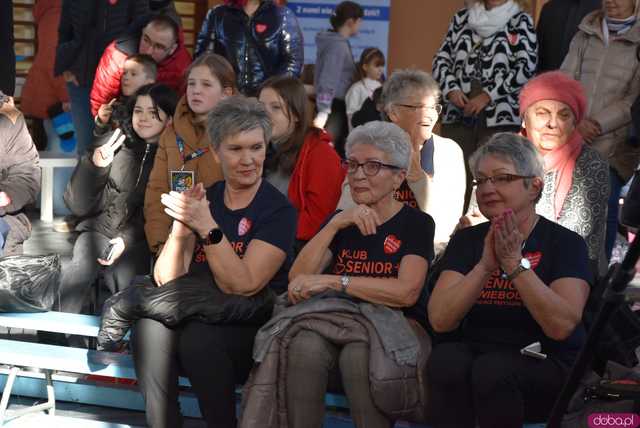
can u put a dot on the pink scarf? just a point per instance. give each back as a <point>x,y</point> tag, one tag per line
<point>562,161</point>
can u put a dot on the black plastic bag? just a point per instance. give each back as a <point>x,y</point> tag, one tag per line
<point>29,283</point>
<point>191,296</point>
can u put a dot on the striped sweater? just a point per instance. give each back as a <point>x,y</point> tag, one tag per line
<point>503,63</point>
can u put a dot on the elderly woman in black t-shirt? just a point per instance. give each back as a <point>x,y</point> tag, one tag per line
<point>378,251</point>
<point>236,235</point>
<point>518,281</point>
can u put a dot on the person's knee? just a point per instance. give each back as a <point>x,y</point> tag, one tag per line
<point>153,334</point>
<point>309,349</point>
<point>449,365</point>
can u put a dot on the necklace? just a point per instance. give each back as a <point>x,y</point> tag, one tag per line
<point>505,275</point>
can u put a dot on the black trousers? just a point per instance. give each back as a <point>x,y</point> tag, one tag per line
<point>338,125</point>
<point>469,385</point>
<point>215,358</point>
<point>78,276</point>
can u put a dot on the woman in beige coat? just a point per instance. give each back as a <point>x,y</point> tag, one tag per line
<point>605,57</point>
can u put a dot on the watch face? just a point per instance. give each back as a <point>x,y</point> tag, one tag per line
<point>525,263</point>
<point>215,236</point>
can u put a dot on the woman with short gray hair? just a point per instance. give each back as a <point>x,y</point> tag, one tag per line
<point>237,235</point>
<point>514,288</point>
<point>435,182</point>
<point>390,140</point>
<point>235,117</point>
<point>379,252</point>
<point>526,160</point>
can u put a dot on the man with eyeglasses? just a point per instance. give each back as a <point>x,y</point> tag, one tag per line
<point>158,36</point>
<point>85,30</point>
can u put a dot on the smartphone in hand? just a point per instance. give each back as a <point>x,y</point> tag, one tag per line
<point>107,254</point>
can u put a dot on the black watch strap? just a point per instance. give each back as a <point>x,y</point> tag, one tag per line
<point>214,237</point>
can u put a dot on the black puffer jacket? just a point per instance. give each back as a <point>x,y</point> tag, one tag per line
<point>113,197</point>
<point>193,296</point>
<point>87,27</point>
<point>267,44</point>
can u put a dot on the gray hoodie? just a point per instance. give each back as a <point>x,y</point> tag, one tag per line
<point>334,69</point>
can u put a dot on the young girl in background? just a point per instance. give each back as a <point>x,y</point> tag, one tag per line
<point>334,71</point>
<point>107,190</point>
<point>185,146</point>
<point>301,161</point>
<point>370,71</point>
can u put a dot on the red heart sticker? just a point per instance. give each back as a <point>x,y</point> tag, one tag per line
<point>392,244</point>
<point>260,28</point>
<point>244,226</point>
<point>534,258</point>
<point>513,39</point>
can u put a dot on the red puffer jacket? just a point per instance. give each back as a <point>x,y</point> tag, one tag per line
<point>106,84</point>
<point>316,183</point>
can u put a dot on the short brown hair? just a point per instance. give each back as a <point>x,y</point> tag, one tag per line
<point>148,64</point>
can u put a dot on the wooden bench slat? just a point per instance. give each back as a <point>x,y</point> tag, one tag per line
<point>61,358</point>
<point>56,322</point>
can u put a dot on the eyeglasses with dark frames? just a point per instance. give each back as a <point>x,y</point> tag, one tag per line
<point>436,107</point>
<point>370,168</point>
<point>154,46</point>
<point>500,179</point>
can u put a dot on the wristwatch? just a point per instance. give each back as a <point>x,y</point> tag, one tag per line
<point>524,265</point>
<point>212,238</point>
<point>344,283</point>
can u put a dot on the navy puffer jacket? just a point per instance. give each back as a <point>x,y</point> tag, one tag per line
<point>269,43</point>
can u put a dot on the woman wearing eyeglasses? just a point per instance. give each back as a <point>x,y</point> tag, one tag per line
<point>519,281</point>
<point>435,182</point>
<point>377,252</point>
<point>576,178</point>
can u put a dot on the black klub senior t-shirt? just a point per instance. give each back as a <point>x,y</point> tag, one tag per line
<point>410,231</point>
<point>269,217</point>
<point>499,315</point>
<point>405,195</point>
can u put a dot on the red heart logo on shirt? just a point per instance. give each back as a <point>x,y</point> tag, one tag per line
<point>260,28</point>
<point>392,244</point>
<point>244,226</point>
<point>113,2</point>
<point>534,258</point>
<point>513,39</point>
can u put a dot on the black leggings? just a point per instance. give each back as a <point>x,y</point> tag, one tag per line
<point>500,389</point>
<point>215,358</point>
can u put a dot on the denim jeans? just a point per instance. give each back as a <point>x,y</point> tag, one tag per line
<point>81,114</point>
